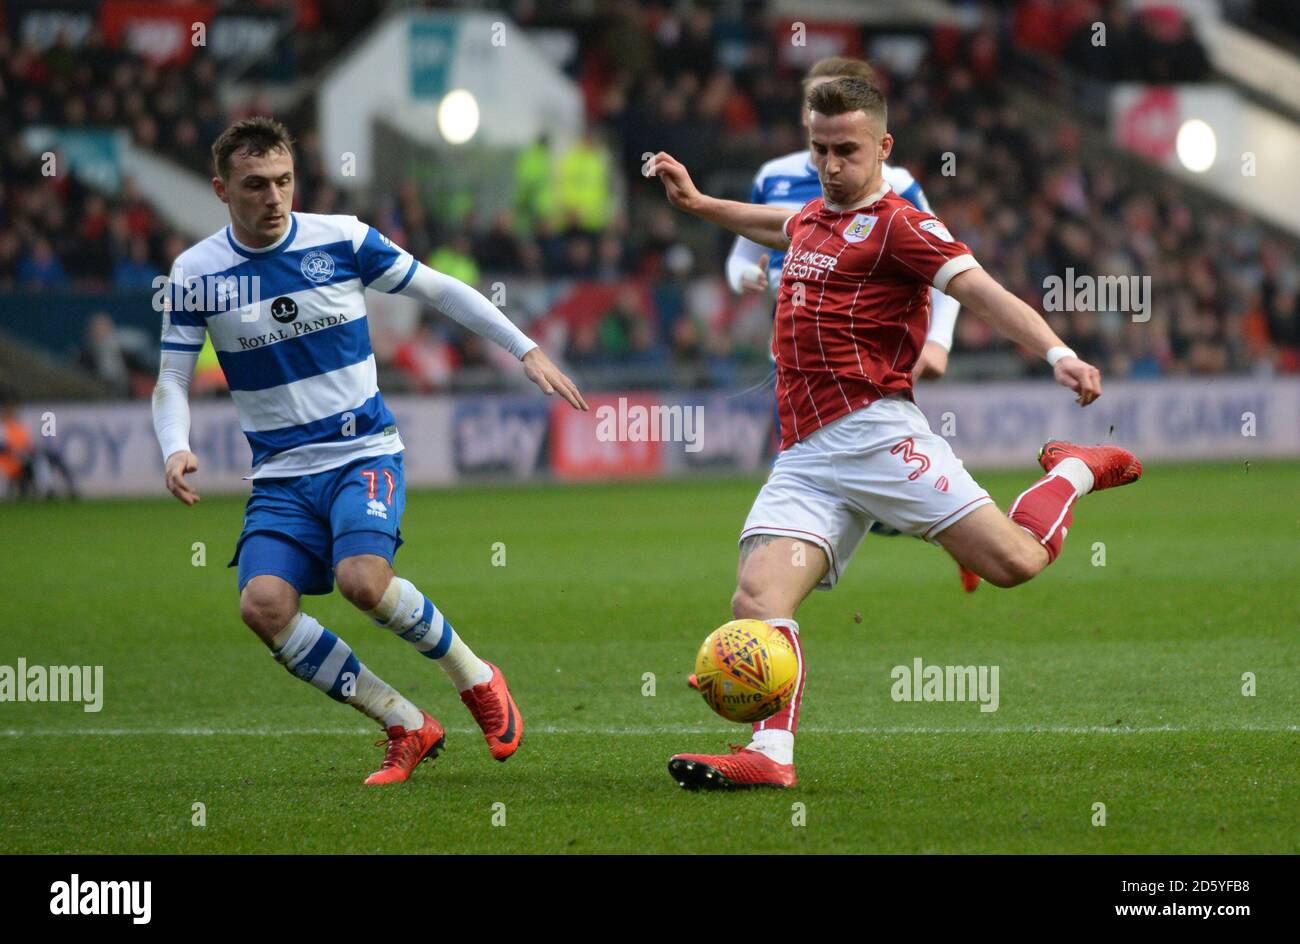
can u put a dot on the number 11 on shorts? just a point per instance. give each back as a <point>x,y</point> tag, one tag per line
<point>372,483</point>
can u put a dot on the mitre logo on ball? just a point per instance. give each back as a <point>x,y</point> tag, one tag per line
<point>746,670</point>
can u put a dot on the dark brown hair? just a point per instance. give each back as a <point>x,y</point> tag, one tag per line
<point>844,95</point>
<point>839,67</point>
<point>260,135</point>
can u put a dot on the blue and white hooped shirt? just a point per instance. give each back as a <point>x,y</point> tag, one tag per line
<point>290,330</point>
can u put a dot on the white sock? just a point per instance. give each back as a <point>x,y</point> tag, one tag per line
<point>407,612</point>
<point>463,667</point>
<point>776,743</point>
<point>1076,473</point>
<point>376,699</point>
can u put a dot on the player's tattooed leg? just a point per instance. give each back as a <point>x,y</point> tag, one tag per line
<point>752,543</point>
<point>775,574</point>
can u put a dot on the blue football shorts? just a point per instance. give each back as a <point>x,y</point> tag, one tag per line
<point>299,527</point>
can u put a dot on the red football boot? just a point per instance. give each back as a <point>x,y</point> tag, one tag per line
<point>693,682</point>
<point>1111,466</point>
<point>970,581</point>
<point>496,713</point>
<point>407,748</point>
<point>742,769</point>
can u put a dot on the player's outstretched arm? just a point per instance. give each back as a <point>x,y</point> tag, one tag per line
<point>466,306</point>
<point>1013,319</point>
<point>764,225</point>
<point>171,421</point>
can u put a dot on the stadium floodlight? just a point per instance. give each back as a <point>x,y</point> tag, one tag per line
<point>1197,145</point>
<point>458,116</point>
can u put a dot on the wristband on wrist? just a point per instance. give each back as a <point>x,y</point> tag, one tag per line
<point>1057,353</point>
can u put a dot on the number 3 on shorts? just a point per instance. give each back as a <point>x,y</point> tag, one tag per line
<point>908,450</point>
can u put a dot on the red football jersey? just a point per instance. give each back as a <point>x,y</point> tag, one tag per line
<point>854,306</point>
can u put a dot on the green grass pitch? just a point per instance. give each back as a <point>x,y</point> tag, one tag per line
<point>1119,684</point>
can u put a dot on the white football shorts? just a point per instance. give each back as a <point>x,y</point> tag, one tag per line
<point>879,463</point>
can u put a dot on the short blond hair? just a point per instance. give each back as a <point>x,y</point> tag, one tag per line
<point>840,96</point>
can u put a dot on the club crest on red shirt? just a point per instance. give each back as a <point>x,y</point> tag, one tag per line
<point>859,228</point>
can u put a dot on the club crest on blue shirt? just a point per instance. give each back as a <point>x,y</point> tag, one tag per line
<point>317,266</point>
<point>859,228</point>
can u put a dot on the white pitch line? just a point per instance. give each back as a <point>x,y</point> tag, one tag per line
<point>635,730</point>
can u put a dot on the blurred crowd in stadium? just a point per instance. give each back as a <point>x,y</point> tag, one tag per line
<point>714,89</point>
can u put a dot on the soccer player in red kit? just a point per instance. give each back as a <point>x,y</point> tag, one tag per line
<point>852,315</point>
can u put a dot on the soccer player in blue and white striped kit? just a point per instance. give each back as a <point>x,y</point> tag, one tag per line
<point>281,295</point>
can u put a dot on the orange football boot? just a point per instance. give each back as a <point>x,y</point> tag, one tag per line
<point>407,748</point>
<point>742,769</point>
<point>1111,466</point>
<point>496,713</point>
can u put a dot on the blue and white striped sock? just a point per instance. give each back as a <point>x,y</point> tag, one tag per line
<point>314,654</point>
<point>408,613</point>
